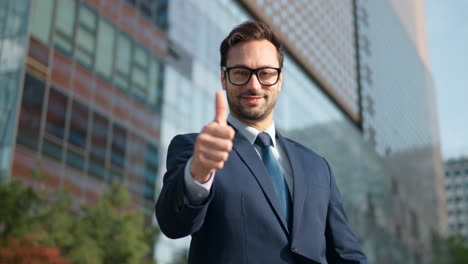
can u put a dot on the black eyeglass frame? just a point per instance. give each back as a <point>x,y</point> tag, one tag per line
<point>252,71</point>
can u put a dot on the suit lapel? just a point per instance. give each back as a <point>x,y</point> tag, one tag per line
<point>249,156</point>
<point>299,183</point>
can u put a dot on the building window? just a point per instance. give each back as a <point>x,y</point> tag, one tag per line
<point>105,49</point>
<point>65,25</point>
<point>31,111</point>
<point>98,148</point>
<point>136,159</point>
<point>85,36</point>
<point>78,125</point>
<point>151,170</point>
<point>77,135</point>
<point>52,148</point>
<point>161,13</point>
<point>55,124</point>
<point>123,61</point>
<point>41,21</point>
<point>56,113</point>
<point>147,8</point>
<point>75,159</point>
<point>153,10</point>
<point>140,72</point>
<point>119,141</point>
<point>155,82</point>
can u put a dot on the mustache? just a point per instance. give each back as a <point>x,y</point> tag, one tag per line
<point>251,93</point>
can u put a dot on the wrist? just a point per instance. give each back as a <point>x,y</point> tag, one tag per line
<point>201,176</point>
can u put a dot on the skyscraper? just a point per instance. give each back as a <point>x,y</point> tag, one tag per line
<point>86,98</point>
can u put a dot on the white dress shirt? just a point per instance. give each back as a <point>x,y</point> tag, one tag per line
<point>197,192</point>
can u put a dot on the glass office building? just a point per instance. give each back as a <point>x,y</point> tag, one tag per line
<point>94,90</point>
<point>89,95</point>
<point>13,31</point>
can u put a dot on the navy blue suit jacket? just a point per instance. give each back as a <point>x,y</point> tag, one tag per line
<point>240,221</point>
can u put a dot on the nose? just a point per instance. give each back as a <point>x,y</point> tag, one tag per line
<point>253,84</point>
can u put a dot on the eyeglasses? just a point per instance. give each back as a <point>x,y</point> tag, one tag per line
<point>241,75</point>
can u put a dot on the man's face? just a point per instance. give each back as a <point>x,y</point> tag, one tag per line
<point>252,102</point>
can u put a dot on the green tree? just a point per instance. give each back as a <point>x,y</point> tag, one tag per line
<point>111,231</point>
<point>17,209</point>
<point>451,250</point>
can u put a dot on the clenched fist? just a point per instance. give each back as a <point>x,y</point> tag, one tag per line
<point>213,144</point>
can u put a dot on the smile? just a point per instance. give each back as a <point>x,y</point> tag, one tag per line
<point>251,99</point>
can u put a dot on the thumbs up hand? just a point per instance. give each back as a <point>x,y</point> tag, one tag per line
<point>213,144</point>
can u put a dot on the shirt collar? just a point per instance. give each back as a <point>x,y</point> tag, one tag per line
<point>250,133</point>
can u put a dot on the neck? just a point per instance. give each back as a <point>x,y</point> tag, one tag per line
<point>260,125</point>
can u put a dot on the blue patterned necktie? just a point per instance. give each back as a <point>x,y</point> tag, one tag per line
<point>275,172</point>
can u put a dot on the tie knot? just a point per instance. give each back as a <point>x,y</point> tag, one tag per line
<point>264,140</point>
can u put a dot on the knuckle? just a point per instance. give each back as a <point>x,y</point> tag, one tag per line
<point>232,133</point>
<point>229,146</point>
<point>204,138</point>
<point>219,165</point>
<point>201,137</point>
<point>201,158</point>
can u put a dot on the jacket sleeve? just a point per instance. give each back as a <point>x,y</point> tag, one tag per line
<point>176,216</point>
<point>342,245</point>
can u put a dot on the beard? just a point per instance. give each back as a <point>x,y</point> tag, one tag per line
<point>245,113</point>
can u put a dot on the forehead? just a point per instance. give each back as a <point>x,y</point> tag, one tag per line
<point>253,54</point>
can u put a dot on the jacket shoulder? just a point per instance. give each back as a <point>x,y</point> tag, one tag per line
<point>303,149</point>
<point>184,138</point>
<point>180,149</point>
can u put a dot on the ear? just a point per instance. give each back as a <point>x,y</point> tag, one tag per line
<point>223,79</point>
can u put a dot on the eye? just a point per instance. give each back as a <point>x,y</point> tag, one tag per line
<point>240,72</point>
<point>267,73</point>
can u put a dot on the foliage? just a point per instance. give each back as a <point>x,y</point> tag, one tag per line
<point>451,250</point>
<point>110,231</point>
<point>17,210</point>
<point>24,251</point>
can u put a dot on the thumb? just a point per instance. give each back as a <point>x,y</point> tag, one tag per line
<point>220,116</point>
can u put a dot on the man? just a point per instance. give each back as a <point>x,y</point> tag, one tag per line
<point>247,196</point>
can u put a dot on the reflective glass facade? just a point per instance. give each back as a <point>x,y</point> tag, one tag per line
<point>13,30</point>
<point>319,35</point>
<point>91,99</point>
<point>399,120</point>
<point>379,187</point>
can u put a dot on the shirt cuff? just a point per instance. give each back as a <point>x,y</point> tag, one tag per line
<point>196,192</point>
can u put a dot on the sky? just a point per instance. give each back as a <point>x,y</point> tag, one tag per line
<point>447,35</point>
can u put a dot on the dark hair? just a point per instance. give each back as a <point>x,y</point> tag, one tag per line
<point>250,30</point>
